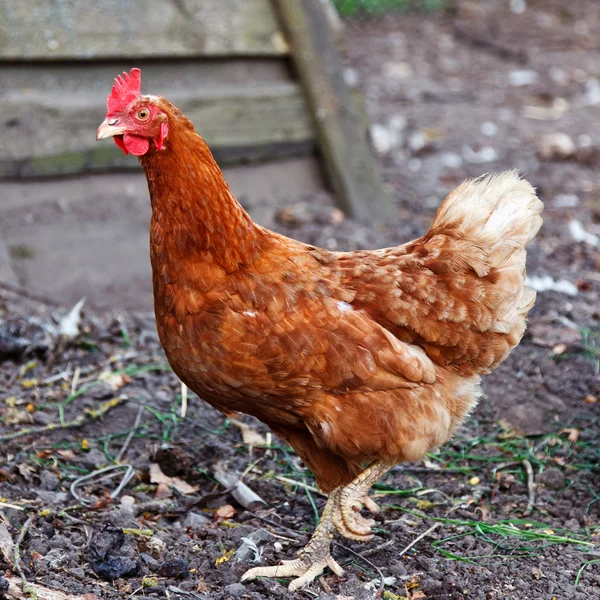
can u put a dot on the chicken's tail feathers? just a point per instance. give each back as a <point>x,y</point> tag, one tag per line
<point>490,220</point>
<point>500,209</point>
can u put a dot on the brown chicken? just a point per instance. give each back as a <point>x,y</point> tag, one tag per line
<point>359,360</point>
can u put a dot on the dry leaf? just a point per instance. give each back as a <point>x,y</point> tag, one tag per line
<point>115,380</point>
<point>537,573</point>
<point>26,471</point>
<point>6,544</point>
<point>572,432</point>
<point>589,399</point>
<point>224,512</point>
<point>163,490</point>
<point>157,476</point>
<point>249,436</point>
<point>559,349</point>
<point>417,594</point>
<point>67,454</point>
<point>14,416</point>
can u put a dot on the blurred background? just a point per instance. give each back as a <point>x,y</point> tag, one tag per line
<point>441,90</point>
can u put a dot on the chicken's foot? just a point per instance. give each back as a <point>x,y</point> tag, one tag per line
<point>312,559</point>
<point>351,499</point>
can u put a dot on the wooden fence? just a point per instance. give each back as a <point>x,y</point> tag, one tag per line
<point>261,80</point>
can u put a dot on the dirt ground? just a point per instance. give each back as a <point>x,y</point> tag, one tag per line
<point>508,510</point>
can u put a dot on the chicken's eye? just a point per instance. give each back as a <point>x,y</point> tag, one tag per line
<point>142,114</point>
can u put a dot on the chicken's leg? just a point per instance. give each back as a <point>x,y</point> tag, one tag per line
<point>352,498</point>
<point>341,513</point>
<point>312,559</point>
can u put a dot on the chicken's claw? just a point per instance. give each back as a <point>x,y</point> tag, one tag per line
<point>351,499</point>
<point>312,559</point>
<point>348,520</point>
<point>304,569</point>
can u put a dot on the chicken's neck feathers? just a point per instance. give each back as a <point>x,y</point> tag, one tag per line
<point>192,203</point>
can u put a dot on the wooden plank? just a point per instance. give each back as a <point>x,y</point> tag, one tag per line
<point>53,135</point>
<point>351,167</point>
<point>102,29</point>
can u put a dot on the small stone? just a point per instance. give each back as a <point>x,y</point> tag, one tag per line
<point>78,573</point>
<point>553,479</point>
<point>572,524</point>
<point>176,568</point>
<point>418,142</point>
<point>53,498</point>
<point>235,590</point>
<point>566,201</point>
<point>556,146</point>
<point>489,129</point>
<point>150,562</point>
<point>522,77</point>
<point>397,70</point>
<point>48,481</point>
<point>481,155</point>
<point>518,6</point>
<point>384,138</point>
<point>528,420</point>
<point>592,91</point>
<point>451,160</point>
<point>195,520</point>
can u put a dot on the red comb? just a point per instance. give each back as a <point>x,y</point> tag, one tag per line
<point>127,88</point>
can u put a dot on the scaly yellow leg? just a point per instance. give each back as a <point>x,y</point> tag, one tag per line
<point>312,559</point>
<point>352,498</point>
<point>342,513</point>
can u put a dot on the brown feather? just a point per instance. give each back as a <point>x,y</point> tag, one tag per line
<point>350,357</point>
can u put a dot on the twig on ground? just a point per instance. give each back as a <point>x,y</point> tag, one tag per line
<point>13,506</point>
<point>25,586</point>
<point>310,488</point>
<point>128,439</point>
<point>184,400</point>
<point>530,485</point>
<point>377,549</point>
<point>419,538</point>
<point>241,492</point>
<point>77,422</point>
<point>127,475</point>
<point>75,380</point>
<point>291,531</point>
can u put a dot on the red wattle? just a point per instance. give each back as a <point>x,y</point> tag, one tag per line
<point>136,144</point>
<point>119,142</point>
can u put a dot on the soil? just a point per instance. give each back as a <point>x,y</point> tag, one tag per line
<point>515,497</point>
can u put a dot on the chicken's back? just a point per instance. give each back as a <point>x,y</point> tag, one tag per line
<point>459,291</point>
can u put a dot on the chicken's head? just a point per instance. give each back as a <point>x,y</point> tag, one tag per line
<point>133,120</point>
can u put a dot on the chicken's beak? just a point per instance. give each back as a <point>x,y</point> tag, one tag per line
<point>109,128</point>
